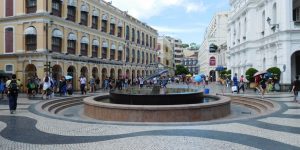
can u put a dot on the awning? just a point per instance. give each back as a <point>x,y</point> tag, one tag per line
<point>72,3</point>
<point>85,40</point>
<point>96,42</point>
<point>120,48</point>
<point>84,7</point>
<point>113,46</point>
<point>104,17</point>
<point>112,20</point>
<point>96,12</point>
<point>213,48</point>
<point>104,44</point>
<point>57,33</point>
<point>30,31</point>
<point>220,68</point>
<point>120,23</point>
<point>72,37</point>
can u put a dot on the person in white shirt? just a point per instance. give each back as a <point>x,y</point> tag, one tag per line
<point>82,81</point>
<point>141,79</point>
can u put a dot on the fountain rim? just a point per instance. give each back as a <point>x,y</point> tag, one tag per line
<point>184,93</point>
<point>220,100</point>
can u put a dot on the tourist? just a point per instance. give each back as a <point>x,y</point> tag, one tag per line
<point>235,87</point>
<point>82,81</point>
<point>141,81</point>
<point>263,86</point>
<point>296,89</point>
<point>62,86</point>
<point>13,86</point>
<point>46,87</point>
<point>69,87</point>
<point>242,84</point>
<point>92,85</point>
<point>257,83</point>
<point>2,88</point>
<point>31,87</point>
<point>97,83</point>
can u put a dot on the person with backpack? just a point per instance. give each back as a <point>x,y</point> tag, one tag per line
<point>13,90</point>
<point>296,88</point>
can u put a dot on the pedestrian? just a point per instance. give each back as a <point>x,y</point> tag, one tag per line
<point>263,86</point>
<point>92,85</point>
<point>62,86</point>
<point>46,87</point>
<point>2,88</point>
<point>141,80</point>
<point>235,84</point>
<point>296,89</point>
<point>82,81</point>
<point>97,83</point>
<point>69,87</point>
<point>242,84</point>
<point>13,86</point>
<point>257,83</point>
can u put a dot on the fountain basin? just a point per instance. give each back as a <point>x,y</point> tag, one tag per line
<point>95,108</point>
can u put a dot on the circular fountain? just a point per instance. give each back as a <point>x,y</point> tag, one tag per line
<point>156,105</point>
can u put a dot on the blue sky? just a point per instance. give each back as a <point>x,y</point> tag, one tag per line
<point>184,19</point>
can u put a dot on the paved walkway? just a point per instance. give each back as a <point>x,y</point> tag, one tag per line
<point>26,130</point>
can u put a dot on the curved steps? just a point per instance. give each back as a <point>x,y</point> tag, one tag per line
<point>56,106</point>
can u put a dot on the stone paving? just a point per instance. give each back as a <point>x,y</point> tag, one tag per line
<point>30,131</point>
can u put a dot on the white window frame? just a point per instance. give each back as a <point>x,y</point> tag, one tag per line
<point>4,38</point>
<point>13,68</point>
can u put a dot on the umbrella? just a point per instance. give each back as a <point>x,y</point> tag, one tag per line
<point>259,73</point>
<point>202,75</point>
<point>68,77</point>
<point>189,75</point>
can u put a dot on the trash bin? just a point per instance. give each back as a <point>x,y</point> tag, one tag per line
<point>206,91</point>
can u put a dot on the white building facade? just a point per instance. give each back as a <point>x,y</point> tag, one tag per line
<point>216,34</point>
<point>264,34</point>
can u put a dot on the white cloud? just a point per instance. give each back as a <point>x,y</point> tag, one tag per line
<point>146,9</point>
<point>193,7</point>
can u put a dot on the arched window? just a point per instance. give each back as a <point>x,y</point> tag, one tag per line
<point>127,54</point>
<point>245,29</point>
<point>275,61</point>
<point>104,50</point>
<point>72,43</point>
<point>143,57</point>
<point>30,39</point>
<point>132,35</point>
<point>84,46</point>
<point>133,56</point>
<point>84,14</point>
<point>72,10</point>
<point>264,64</point>
<point>112,26</point>
<point>112,51</point>
<point>120,53</point>
<point>138,37</point>
<point>151,59</point>
<point>9,5</point>
<point>30,6</point>
<point>57,36</point>
<point>9,40</point>
<point>212,61</point>
<point>56,7</point>
<point>104,23</point>
<point>147,40</point>
<point>143,38</point>
<point>263,19</point>
<point>120,29</point>
<point>147,58</point>
<point>127,32</point>
<point>150,41</point>
<point>274,14</point>
<point>95,19</point>
<point>95,48</point>
<point>138,56</point>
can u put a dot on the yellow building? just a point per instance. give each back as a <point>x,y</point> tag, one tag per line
<point>76,37</point>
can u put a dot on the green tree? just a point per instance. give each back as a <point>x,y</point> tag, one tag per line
<point>275,72</point>
<point>181,70</point>
<point>185,45</point>
<point>249,74</point>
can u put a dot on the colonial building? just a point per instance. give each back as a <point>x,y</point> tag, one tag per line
<point>216,34</point>
<point>165,51</point>
<point>264,34</point>
<point>178,51</point>
<point>191,63</point>
<point>74,37</point>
